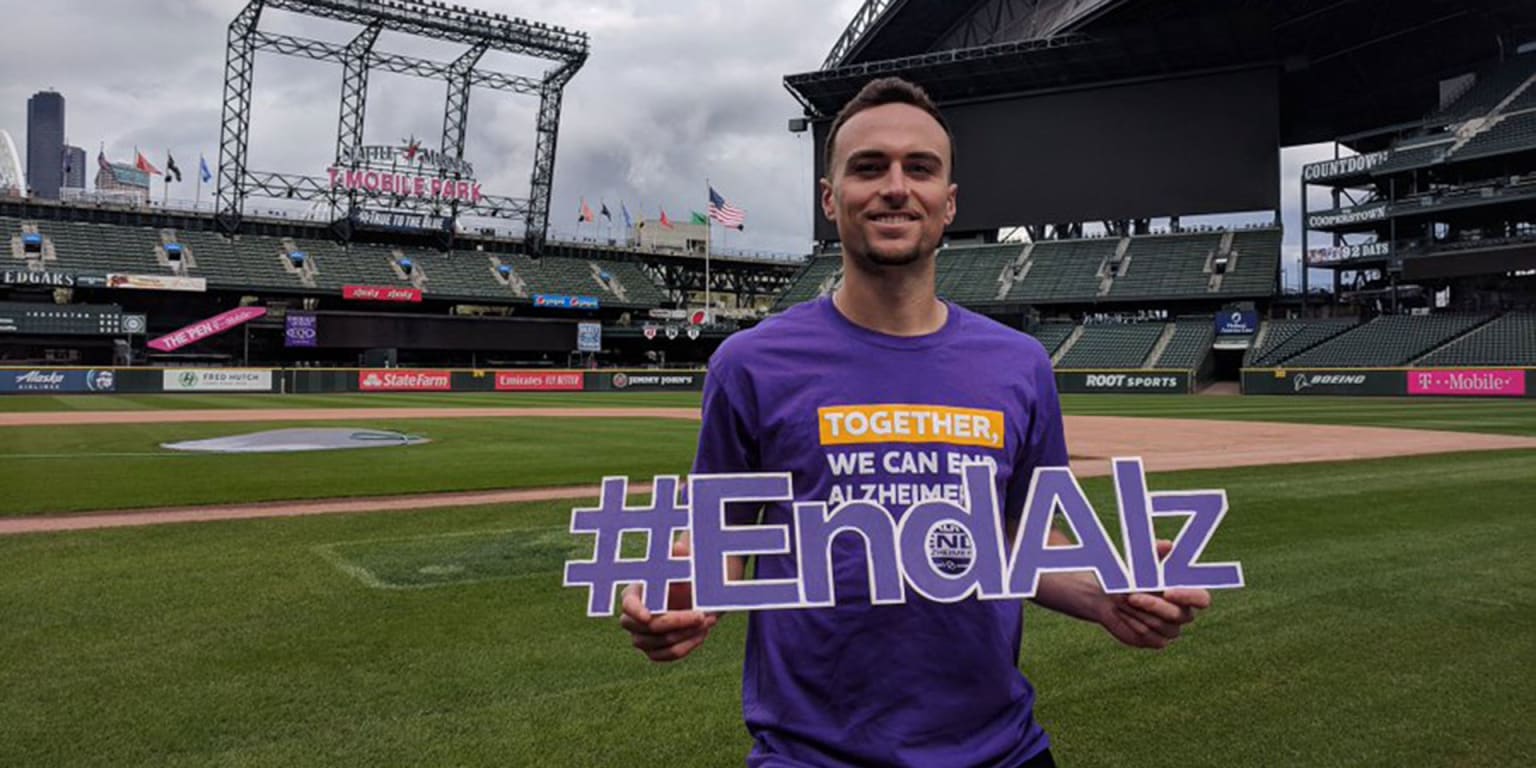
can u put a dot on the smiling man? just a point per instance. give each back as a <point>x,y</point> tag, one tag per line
<point>921,683</point>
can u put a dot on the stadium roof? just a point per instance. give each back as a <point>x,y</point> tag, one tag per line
<point>1346,66</point>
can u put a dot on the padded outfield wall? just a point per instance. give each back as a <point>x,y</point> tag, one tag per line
<point>62,380</point>
<point>1401,382</point>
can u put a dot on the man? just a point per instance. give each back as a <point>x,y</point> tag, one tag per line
<point>923,683</point>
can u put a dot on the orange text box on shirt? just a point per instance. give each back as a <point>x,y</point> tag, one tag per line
<point>864,424</point>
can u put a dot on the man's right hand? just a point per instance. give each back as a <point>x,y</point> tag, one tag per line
<point>672,635</point>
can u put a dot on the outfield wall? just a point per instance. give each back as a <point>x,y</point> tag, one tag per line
<point>1402,382</point>
<point>65,380</point>
<point>1134,381</point>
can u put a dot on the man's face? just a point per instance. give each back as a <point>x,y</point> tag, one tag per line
<point>887,185</point>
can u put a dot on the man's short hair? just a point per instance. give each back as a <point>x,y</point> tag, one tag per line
<point>882,91</point>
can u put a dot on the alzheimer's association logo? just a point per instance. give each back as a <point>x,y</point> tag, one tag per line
<point>950,549</point>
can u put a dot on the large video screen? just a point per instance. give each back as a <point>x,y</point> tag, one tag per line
<point>1201,144</point>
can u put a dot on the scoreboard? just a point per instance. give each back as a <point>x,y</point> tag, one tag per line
<point>68,320</point>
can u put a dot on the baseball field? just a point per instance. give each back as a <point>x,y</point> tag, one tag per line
<point>402,606</point>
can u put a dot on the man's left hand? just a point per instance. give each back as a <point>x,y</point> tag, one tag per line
<point>1153,619</point>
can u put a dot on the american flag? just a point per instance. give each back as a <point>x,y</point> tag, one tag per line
<point>725,213</point>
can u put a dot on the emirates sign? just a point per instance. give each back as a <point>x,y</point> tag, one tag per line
<point>393,380</point>
<point>379,293</point>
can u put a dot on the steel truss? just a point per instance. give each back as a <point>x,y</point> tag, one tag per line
<point>481,32</point>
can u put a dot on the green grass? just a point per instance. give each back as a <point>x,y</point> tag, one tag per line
<point>48,470</point>
<point>1507,416</point>
<point>34,403</point>
<point>1387,621</point>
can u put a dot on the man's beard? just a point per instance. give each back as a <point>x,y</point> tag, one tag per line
<point>887,259</point>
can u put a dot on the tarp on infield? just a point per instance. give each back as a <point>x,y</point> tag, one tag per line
<point>303,439</point>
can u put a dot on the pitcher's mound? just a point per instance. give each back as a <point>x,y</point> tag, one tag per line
<point>293,440</point>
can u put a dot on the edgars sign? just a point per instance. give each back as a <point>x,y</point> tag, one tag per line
<point>43,278</point>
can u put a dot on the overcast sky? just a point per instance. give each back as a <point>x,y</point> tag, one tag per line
<point>673,93</point>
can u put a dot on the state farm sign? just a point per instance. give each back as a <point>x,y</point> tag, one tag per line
<point>390,380</point>
<point>379,293</point>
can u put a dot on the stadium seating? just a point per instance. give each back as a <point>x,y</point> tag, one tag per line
<point>1058,271</point>
<point>1190,344</point>
<point>1389,340</point>
<point>1256,267</point>
<point>1052,335</point>
<point>1514,132</point>
<point>1491,87</point>
<point>807,283</point>
<point>1415,155</point>
<point>969,274</point>
<point>1509,339</point>
<point>1282,339</point>
<point>1166,265</point>
<point>1112,346</point>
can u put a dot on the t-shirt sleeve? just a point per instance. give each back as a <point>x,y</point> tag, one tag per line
<point>728,432</point>
<point>1045,445</point>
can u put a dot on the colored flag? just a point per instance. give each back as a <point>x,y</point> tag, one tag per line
<point>142,163</point>
<point>627,221</point>
<point>170,167</point>
<point>605,212</point>
<point>700,219</point>
<point>666,223</point>
<point>586,212</point>
<point>203,168</point>
<point>725,213</point>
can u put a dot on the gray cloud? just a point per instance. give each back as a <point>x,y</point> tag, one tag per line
<point>673,93</point>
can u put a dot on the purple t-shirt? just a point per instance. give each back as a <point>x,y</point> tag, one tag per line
<point>852,413</point>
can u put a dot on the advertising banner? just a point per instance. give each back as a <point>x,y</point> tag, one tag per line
<point>1139,382</point>
<point>540,381</point>
<point>648,381</point>
<point>216,380</point>
<point>1467,383</point>
<point>379,293</point>
<point>396,380</point>
<point>301,330</point>
<point>1342,253</point>
<point>157,283</point>
<point>1362,381</point>
<point>1237,321</point>
<point>589,337</point>
<point>45,380</point>
<point>560,301</point>
<point>213,326</point>
<point>43,278</point>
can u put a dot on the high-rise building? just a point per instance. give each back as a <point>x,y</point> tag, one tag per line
<point>74,167</point>
<point>45,144</point>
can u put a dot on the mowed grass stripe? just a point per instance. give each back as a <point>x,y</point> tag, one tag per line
<point>86,470</point>
<point>1386,600</point>
<point>1511,416</point>
<point>186,401</point>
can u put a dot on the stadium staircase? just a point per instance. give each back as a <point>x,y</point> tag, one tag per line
<point>1185,345</point>
<point>1287,338</point>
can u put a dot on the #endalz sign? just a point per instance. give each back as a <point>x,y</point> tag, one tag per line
<point>202,329</point>
<point>943,550</point>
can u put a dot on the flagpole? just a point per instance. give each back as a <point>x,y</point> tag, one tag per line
<point>709,228</point>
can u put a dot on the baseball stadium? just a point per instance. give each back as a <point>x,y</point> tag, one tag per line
<point>298,491</point>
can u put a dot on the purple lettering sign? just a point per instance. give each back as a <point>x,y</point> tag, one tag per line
<point>944,550</point>
<point>300,330</point>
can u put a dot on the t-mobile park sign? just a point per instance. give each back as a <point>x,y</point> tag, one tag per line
<point>406,170</point>
<point>943,550</point>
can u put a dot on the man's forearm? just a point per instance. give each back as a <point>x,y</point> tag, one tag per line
<point>1078,595</point>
